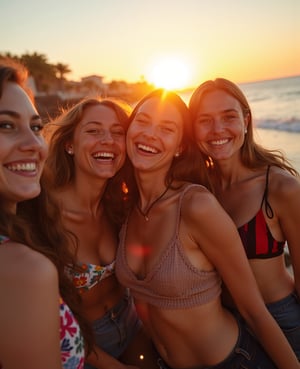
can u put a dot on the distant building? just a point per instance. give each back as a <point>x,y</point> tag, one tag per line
<point>93,84</point>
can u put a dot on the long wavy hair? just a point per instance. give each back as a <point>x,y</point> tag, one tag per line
<point>253,155</point>
<point>60,167</point>
<point>189,166</point>
<point>40,225</point>
<point>37,223</point>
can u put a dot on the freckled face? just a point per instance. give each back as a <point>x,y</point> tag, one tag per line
<point>23,149</point>
<point>220,125</point>
<point>154,135</point>
<point>99,143</point>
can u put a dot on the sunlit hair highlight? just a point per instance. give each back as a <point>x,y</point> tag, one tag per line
<point>189,165</point>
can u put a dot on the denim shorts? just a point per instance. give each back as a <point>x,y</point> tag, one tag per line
<point>247,354</point>
<point>114,331</point>
<point>287,314</point>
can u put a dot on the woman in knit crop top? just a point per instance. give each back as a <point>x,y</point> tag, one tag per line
<point>176,245</point>
<point>242,173</point>
<point>174,282</point>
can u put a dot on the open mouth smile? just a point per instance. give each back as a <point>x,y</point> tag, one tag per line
<point>109,156</point>
<point>29,167</point>
<point>219,142</point>
<point>147,149</point>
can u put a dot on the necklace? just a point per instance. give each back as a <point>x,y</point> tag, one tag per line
<point>146,213</point>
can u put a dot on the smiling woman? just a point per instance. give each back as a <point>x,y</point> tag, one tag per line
<point>170,73</point>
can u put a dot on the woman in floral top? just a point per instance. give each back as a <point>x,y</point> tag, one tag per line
<point>84,171</point>
<point>39,307</point>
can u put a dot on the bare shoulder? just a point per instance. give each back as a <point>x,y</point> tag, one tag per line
<point>19,262</point>
<point>207,223</point>
<point>199,201</point>
<point>282,184</point>
<point>29,308</point>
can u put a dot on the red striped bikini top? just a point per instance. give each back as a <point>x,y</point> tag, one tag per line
<point>255,235</point>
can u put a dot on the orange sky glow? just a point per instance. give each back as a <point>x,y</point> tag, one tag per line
<point>171,44</point>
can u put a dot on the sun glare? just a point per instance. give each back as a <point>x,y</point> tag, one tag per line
<point>170,73</point>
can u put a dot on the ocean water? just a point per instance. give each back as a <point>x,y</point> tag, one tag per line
<point>275,106</point>
<point>275,103</point>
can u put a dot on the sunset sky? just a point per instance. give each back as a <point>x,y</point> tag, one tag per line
<point>185,41</point>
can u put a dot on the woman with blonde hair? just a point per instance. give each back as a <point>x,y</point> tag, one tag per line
<point>259,189</point>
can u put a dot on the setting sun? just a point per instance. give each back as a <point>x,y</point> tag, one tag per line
<point>170,73</point>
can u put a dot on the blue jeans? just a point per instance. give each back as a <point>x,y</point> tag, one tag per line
<point>115,330</point>
<point>287,314</point>
<point>247,354</point>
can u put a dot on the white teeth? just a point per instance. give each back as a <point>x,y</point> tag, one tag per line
<point>24,167</point>
<point>147,148</point>
<point>104,155</point>
<point>220,142</point>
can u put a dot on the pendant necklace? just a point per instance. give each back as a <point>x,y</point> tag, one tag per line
<point>146,213</point>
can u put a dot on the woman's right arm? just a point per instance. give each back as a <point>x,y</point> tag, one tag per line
<point>29,310</point>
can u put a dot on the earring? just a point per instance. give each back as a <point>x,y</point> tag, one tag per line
<point>70,150</point>
<point>246,131</point>
<point>177,154</point>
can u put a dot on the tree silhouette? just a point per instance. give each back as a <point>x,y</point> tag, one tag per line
<point>39,68</point>
<point>51,78</point>
<point>61,70</point>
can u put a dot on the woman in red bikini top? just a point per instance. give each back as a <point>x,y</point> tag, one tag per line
<point>259,189</point>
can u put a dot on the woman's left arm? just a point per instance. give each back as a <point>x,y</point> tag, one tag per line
<point>284,197</point>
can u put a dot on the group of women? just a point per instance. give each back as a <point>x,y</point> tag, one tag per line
<point>145,238</point>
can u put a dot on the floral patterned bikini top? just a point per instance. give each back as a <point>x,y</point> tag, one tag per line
<point>90,275</point>
<point>71,340</point>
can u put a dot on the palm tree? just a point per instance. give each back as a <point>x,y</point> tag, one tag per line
<point>60,71</point>
<point>42,72</point>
